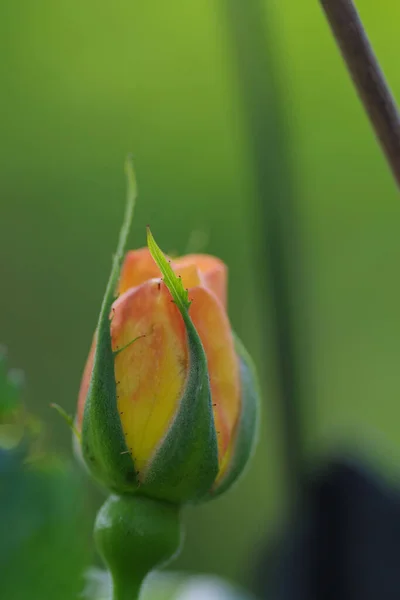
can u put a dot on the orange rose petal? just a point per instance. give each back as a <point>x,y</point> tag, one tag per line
<point>87,373</point>
<point>227,458</point>
<point>150,372</point>
<point>213,272</point>
<point>214,329</point>
<point>138,267</point>
<point>189,274</point>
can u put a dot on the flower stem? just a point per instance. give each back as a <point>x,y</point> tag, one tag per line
<point>134,535</point>
<point>127,592</point>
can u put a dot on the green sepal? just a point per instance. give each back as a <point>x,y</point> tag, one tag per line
<point>103,444</point>
<point>247,427</point>
<point>185,465</point>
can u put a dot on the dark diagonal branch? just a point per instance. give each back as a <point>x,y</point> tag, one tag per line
<point>367,76</point>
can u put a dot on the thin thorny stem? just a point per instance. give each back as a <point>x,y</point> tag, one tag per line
<point>367,76</point>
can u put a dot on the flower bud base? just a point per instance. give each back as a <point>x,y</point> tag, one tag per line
<point>134,535</point>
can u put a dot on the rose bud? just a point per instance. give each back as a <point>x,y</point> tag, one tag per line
<point>168,400</point>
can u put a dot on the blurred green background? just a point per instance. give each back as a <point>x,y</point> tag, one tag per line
<point>83,84</point>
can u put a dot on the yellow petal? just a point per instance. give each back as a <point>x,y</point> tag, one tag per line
<point>151,372</point>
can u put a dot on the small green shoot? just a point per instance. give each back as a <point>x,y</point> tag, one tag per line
<point>67,418</point>
<point>172,281</point>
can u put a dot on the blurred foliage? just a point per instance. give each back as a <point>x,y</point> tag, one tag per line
<point>44,542</point>
<point>166,586</point>
<point>11,382</point>
<point>83,84</point>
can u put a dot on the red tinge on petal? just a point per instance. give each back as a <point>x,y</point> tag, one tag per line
<point>83,392</point>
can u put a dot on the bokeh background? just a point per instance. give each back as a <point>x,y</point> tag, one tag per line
<point>83,84</point>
